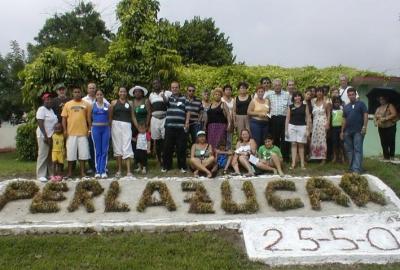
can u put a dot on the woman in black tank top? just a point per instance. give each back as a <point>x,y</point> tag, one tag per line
<point>218,121</point>
<point>241,106</point>
<point>297,127</point>
<point>242,101</point>
<point>121,116</point>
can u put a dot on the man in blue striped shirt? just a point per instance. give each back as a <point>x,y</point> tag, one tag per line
<point>176,126</point>
<point>195,107</point>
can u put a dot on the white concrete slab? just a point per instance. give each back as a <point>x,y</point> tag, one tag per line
<point>369,234</point>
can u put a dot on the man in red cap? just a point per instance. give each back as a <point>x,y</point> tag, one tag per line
<point>46,119</point>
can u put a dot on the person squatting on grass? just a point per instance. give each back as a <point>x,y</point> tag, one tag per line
<point>223,156</point>
<point>270,157</point>
<point>245,147</point>
<point>201,156</point>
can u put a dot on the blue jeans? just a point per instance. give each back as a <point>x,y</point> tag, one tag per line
<point>91,161</point>
<point>259,130</point>
<point>101,140</point>
<point>193,129</point>
<point>353,144</point>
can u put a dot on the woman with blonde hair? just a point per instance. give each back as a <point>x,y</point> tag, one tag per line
<point>258,112</point>
<point>218,120</point>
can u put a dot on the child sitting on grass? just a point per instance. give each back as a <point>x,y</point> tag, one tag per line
<point>57,152</point>
<point>223,156</point>
<point>270,157</point>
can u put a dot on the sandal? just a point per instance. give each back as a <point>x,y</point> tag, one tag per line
<point>235,174</point>
<point>118,174</point>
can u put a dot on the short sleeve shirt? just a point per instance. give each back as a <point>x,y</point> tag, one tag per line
<point>265,153</point>
<point>354,115</point>
<point>279,102</point>
<point>58,142</point>
<point>176,111</point>
<point>76,113</point>
<point>50,120</point>
<point>195,107</point>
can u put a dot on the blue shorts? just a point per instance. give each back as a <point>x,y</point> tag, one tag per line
<point>222,160</point>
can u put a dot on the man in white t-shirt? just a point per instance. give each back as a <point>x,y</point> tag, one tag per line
<point>344,81</point>
<point>158,114</point>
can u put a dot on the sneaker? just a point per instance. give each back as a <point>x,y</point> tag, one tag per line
<point>42,179</point>
<point>138,169</point>
<point>104,175</point>
<point>97,175</point>
<point>144,171</point>
<point>53,178</point>
<point>183,170</point>
<point>58,178</point>
<point>164,170</point>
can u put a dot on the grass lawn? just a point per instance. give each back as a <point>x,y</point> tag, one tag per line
<point>180,250</point>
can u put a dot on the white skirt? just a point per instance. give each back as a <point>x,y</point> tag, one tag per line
<point>297,134</point>
<point>121,134</point>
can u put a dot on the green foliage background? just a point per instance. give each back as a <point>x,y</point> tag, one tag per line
<point>145,48</point>
<point>210,77</point>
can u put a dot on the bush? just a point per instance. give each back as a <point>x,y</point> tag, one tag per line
<point>210,77</point>
<point>26,141</point>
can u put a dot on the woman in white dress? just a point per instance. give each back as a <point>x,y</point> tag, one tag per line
<point>321,114</point>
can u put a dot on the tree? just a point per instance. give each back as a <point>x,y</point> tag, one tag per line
<point>201,42</point>
<point>144,46</point>
<point>10,84</point>
<point>81,29</point>
<point>54,66</point>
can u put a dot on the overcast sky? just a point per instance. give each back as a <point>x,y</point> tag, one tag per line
<point>357,33</point>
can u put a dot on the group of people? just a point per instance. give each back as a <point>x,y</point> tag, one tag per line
<point>268,127</point>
